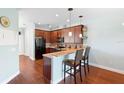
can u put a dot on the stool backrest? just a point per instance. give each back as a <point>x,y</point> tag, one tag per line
<point>86,54</point>
<point>78,56</point>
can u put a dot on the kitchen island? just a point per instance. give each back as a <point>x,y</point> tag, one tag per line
<point>53,66</point>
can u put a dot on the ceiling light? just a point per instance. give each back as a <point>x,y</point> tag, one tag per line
<point>123,23</point>
<point>39,23</point>
<point>57,15</point>
<point>80,17</point>
<point>68,20</point>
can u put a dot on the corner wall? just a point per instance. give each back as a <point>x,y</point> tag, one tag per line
<point>106,37</point>
<point>9,59</point>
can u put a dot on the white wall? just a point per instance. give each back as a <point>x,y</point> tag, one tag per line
<point>9,59</point>
<point>106,37</point>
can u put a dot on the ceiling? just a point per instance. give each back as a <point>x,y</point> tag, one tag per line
<point>46,17</point>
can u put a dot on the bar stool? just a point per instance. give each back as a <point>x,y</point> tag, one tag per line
<point>73,64</point>
<point>85,59</point>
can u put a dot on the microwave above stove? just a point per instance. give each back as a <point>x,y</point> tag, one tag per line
<point>60,40</point>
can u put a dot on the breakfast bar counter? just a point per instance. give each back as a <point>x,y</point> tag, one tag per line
<point>53,66</point>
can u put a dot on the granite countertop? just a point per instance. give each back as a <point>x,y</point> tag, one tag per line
<point>61,53</point>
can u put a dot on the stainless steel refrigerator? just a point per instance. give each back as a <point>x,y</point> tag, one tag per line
<point>40,47</point>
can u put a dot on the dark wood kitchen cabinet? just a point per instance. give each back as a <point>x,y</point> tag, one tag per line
<point>65,34</point>
<point>78,31</point>
<point>39,33</point>
<point>47,36</point>
<point>53,36</point>
<point>50,50</point>
<point>60,33</point>
<point>43,33</point>
<point>67,38</point>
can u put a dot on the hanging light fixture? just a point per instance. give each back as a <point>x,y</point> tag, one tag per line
<point>80,17</point>
<point>70,10</point>
<point>70,32</point>
<point>83,30</point>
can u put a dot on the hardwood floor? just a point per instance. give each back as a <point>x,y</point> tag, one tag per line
<point>32,73</point>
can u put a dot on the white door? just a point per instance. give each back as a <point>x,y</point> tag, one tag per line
<point>21,43</point>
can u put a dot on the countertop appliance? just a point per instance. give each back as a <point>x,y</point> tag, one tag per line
<point>40,47</point>
<point>60,41</point>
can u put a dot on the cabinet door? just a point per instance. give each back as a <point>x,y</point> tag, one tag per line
<point>53,36</point>
<point>65,34</point>
<point>69,39</point>
<point>59,33</point>
<point>39,33</point>
<point>77,34</point>
<point>47,36</point>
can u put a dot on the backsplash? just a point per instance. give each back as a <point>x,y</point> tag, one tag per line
<point>66,45</point>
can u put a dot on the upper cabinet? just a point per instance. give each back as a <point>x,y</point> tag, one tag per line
<point>47,36</point>
<point>39,33</point>
<point>71,34</point>
<point>44,34</point>
<point>53,36</point>
<point>77,33</point>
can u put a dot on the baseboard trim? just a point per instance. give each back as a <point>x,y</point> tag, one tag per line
<point>107,68</point>
<point>21,54</point>
<point>32,58</point>
<point>10,78</point>
<point>58,80</point>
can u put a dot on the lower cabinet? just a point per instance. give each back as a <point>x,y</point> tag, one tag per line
<point>50,50</point>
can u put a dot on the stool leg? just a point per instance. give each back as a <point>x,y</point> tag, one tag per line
<point>80,72</point>
<point>64,72</point>
<point>85,67</point>
<point>71,72</point>
<point>75,75</point>
<point>88,64</point>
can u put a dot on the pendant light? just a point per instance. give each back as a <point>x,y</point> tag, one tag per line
<point>80,17</point>
<point>83,30</point>
<point>70,11</point>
